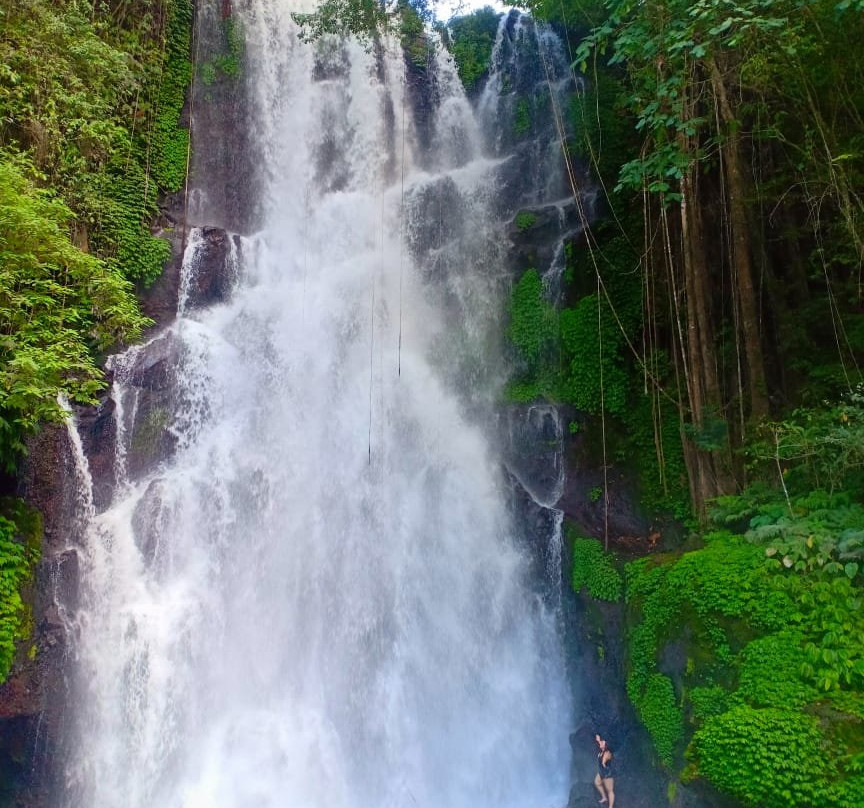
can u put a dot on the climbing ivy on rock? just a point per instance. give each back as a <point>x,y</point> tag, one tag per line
<point>773,673</point>
<point>20,538</point>
<point>593,569</point>
<point>90,101</point>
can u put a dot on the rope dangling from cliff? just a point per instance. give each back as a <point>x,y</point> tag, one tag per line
<point>603,422</point>
<point>586,228</point>
<point>401,233</point>
<point>196,42</point>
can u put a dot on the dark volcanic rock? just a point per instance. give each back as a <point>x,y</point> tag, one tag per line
<point>148,518</point>
<point>533,450</point>
<point>159,301</point>
<point>98,429</point>
<point>213,270</point>
<point>536,231</point>
<point>33,699</point>
<point>150,391</point>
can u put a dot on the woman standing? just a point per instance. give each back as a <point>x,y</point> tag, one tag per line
<point>605,779</point>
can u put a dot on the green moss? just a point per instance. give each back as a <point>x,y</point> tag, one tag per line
<point>659,711</point>
<point>523,119</point>
<point>532,319</point>
<point>149,430</point>
<point>772,757</point>
<point>170,143</point>
<point>593,569</point>
<point>525,220</point>
<point>20,547</point>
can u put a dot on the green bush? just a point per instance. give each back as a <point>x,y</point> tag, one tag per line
<point>525,220</point>
<point>659,711</point>
<point>771,672</point>
<point>772,757</point>
<point>57,302</point>
<point>532,319</point>
<point>20,538</point>
<point>523,119</point>
<point>593,569</point>
<point>708,701</point>
<point>471,39</point>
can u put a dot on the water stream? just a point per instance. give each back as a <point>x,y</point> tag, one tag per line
<point>319,597</point>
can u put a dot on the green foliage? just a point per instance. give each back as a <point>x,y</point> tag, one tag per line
<point>593,569</point>
<point>769,621</point>
<point>525,219</point>
<point>523,119</point>
<point>651,421</point>
<point>770,673</point>
<point>724,583</point>
<point>663,718</point>
<point>228,63</point>
<point>708,701</point>
<point>363,19</point>
<point>766,645</point>
<point>90,101</point>
<point>770,757</point>
<point>471,39</point>
<point>532,319</point>
<point>590,382</point>
<point>815,448</point>
<point>20,536</point>
<point>56,303</point>
<point>604,134</point>
<point>412,32</point>
<point>170,143</point>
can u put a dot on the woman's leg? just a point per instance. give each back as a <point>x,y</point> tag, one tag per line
<point>609,785</point>
<point>598,784</point>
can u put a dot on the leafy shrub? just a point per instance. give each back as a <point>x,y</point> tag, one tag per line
<point>593,569</point>
<point>532,319</point>
<point>19,551</point>
<point>770,672</point>
<point>522,121</point>
<point>471,39</point>
<point>708,701</point>
<point>660,713</point>
<point>56,302</point>
<point>772,757</point>
<point>525,219</point>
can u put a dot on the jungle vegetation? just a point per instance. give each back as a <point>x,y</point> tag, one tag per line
<point>714,318</point>
<point>91,93</point>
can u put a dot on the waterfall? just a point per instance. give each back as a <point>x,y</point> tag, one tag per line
<point>315,594</point>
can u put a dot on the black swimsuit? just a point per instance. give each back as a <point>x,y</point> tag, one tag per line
<point>606,771</point>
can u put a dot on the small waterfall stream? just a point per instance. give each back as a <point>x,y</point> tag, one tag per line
<point>313,592</point>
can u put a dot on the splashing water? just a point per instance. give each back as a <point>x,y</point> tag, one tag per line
<point>320,598</point>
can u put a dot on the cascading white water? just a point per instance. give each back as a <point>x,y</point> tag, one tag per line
<point>320,599</point>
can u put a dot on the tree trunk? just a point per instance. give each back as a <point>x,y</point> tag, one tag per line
<point>741,255</point>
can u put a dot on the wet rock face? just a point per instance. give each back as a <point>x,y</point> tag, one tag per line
<point>533,451</point>
<point>148,403</point>
<point>98,429</point>
<point>214,272</point>
<point>32,699</point>
<point>536,231</point>
<point>225,177</point>
<point>148,520</point>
